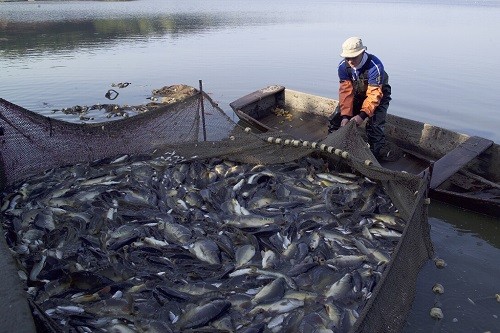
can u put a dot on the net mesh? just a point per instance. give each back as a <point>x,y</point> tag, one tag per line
<point>32,143</point>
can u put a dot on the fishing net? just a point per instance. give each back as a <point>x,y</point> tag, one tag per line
<point>197,129</point>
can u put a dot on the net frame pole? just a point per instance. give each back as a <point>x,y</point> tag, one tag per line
<point>202,112</point>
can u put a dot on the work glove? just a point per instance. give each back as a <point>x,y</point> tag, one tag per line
<point>344,122</point>
<point>357,119</point>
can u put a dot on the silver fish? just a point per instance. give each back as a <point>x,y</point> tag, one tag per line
<point>244,254</point>
<point>121,328</point>
<point>340,288</point>
<point>334,313</point>
<point>203,314</point>
<point>385,233</point>
<point>269,259</point>
<point>259,177</point>
<point>37,268</point>
<point>353,260</point>
<point>374,254</point>
<point>233,207</point>
<point>249,221</point>
<point>70,309</point>
<point>271,292</point>
<point>206,250</point>
<point>289,281</point>
<point>282,306</point>
<point>176,233</point>
<point>334,178</point>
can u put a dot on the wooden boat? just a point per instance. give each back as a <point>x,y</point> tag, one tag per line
<point>465,169</point>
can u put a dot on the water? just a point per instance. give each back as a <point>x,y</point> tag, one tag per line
<point>469,243</point>
<point>441,57</point>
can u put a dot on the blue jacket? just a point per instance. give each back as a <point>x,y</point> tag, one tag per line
<point>365,86</point>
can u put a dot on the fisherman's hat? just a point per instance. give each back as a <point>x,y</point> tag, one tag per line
<point>352,47</point>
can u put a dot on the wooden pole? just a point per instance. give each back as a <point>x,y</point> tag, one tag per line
<point>203,112</point>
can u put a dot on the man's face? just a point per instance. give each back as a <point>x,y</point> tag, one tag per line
<point>353,62</point>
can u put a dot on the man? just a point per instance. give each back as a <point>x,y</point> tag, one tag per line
<point>364,93</point>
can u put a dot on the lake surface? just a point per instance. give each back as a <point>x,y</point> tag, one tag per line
<point>441,56</point>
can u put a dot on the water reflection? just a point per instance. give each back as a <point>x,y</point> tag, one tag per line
<point>464,221</point>
<point>21,38</point>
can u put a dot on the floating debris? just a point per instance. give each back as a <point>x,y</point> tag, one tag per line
<point>138,243</point>
<point>438,288</point>
<point>120,84</point>
<point>111,94</point>
<point>437,313</point>
<point>440,263</point>
<point>159,97</point>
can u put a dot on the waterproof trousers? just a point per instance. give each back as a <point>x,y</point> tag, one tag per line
<point>375,126</point>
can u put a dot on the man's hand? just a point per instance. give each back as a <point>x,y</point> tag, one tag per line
<point>357,119</point>
<point>344,122</point>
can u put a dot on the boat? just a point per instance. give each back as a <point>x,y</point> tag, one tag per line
<point>464,168</point>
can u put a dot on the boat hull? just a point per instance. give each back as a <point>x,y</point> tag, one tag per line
<point>475,185</point>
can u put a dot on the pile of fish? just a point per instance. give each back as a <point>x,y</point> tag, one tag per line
<point>165,244</point>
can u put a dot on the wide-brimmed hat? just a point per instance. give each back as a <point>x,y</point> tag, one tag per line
<point>352,47</point>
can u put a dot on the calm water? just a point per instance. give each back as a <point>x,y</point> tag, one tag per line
<point>441,57</point>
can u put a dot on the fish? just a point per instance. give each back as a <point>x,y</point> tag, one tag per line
<point>349,319</point>
<point>70,309</point>
<point>269,259</point>
<point>206,250</point>
<point>220,245</point>
<point>333,178</point>
<point>339,289</point>
<point>244,254</point>
<point>260,202</point>
<point>276,321</point>
<point>249,221</point>
<point>271,292</point>
<point>385,233</point>
<point>372,253</point>
<point>233,207</point>
<point>201,315</point>
<point>289,281</point>
<point>353,260</point>
<point>334,313</point>
<point>282,306</point>
<point>313,322</point>
<point>121,328</point>
<point>260,177</point>
<point>44,220</point>
<point>37,268</point>
<point>176,232</point>
<point>171,293</point>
